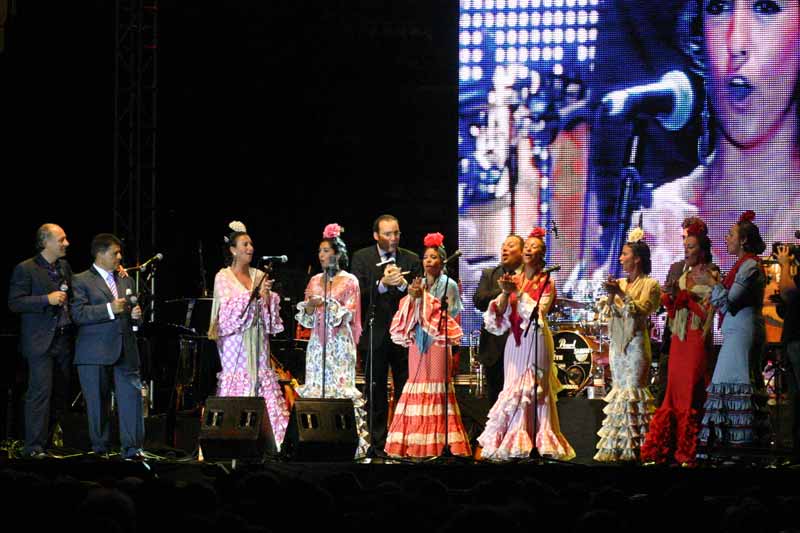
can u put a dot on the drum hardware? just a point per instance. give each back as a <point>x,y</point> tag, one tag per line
<point>575,356</point>
<point>478,390</point>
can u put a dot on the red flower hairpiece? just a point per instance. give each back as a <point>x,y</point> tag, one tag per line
<point>697,229</point>
<point>747,216</point>
<point>433,240</point>
<point>537,232</point>
<point>332,231</point>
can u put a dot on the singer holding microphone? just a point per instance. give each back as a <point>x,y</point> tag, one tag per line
<point>38,292</point>
<point>332,310</point>
<point>525,414</point>
<point>244,313</point>
<point>418,425</point>
<point>631,300</point>
<point>106,344</point>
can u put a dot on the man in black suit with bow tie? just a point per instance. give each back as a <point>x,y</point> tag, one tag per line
<point>106,348</point>
<point>379,271</point>
<point>39,293</point>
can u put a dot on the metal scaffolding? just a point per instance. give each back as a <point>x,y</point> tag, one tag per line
<point>135,125</point>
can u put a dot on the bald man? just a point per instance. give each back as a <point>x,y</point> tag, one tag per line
<point>39,293</point>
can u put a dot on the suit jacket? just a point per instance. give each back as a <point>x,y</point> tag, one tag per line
<point>363,267</point>
<point>492,346</point>
<point>101,341</point>
<point>27,295</point>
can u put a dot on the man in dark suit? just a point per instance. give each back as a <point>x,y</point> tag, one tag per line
<point>384,286</point>
<point>106,345</point>
<point>492,347</point>
<point>39,292</point>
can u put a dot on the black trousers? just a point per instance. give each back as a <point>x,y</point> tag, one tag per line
<point>494,379</point>
<point>385,355</point>
<point>48,393</point>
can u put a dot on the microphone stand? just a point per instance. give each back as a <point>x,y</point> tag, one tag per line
<point>254,295</point>
<point>630,197</point>
<point>446,451</point>
<point>371,451</point>
<point>534,319</point>
<point>326,278</point>
<point>203,282</point>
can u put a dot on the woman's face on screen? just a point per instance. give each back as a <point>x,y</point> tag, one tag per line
<point>753,54</point>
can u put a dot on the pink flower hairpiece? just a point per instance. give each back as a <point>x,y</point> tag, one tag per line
<point>747,216</point>
<point>433,240</point>
<point>538,232</point>
<point>332,231</point>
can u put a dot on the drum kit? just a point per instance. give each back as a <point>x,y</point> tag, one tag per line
<point>580,338</point>
<point>581,342</point>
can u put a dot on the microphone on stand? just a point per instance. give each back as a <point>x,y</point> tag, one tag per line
<point>143,266</point>
<point>275,258</point>
<point>453,257</point>
<point>669,100</point>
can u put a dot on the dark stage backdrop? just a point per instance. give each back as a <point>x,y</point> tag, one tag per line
<point>284,115</point>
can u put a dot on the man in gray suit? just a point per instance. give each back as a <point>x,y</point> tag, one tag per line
<point>106,345</point>
<point>38,292</point>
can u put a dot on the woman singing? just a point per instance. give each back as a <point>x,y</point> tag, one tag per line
<point>525,413</point>
<point>241,325</point>
<point>331,355</point>
<point>421,324</point>
<point>630,404</point>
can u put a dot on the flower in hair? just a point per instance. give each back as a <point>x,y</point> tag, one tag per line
<point>237,226</point>
<point>636,235</point>
<point>332,231</point>
<point>433,240</point>
<point>697,229</point>
<point>538,232</point>
<point>747,216</point>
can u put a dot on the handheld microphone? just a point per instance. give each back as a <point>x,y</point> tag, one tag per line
<point>552,268</point>
<point>669,100</point>
<point>385,262</point>
<point>275,258</point>
<point>133,300</point>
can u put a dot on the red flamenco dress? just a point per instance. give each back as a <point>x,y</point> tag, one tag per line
<point>674,430</point>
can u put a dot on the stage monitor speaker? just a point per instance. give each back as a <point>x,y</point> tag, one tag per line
<point>236,427</point>
<point>321,430</point>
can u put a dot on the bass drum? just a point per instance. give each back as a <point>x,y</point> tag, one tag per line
<point>575,354</point>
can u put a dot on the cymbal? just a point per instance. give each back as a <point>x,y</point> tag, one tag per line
<point>186,300</point>
<point>574,304</point>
